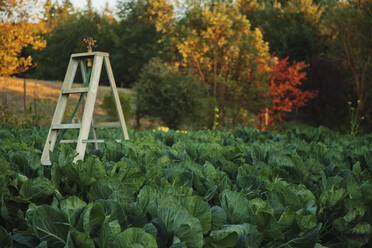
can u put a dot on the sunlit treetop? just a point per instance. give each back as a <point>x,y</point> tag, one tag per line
<point>18,29</point>
<point>161,14</point>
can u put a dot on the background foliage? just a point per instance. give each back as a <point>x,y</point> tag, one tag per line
<point>109,105</point>
<point>163,91</point>
<point>232,47</point>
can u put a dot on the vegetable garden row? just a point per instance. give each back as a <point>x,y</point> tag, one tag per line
<point>240,188</point>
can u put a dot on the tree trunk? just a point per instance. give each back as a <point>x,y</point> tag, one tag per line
<point>221,92</point>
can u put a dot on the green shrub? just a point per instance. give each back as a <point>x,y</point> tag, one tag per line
<point>109,105</point>
<point>166,93</point>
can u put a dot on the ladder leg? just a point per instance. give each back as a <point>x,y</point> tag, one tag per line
<point>59,112</point>
<point>116,98</point>
<point>94,135</point>
<point>83,70</point>
<point>89,107</point>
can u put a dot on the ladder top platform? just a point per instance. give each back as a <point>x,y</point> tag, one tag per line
<point>88,54</point>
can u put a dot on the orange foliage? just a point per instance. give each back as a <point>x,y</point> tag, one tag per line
<point>284,92</point>
<point>14,37</point>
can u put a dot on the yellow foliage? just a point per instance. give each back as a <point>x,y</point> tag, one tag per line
<point>250,5</point>
<point>311,11</point>
<point>13,38</point>
<point>18,29</point>
<point>218,44</point>
<point>221,42</point>
<point>161,14</point>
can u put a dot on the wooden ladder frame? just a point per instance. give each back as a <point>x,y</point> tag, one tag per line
<point>99,58</point>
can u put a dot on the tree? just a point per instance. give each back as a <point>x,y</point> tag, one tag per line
<point>13,11</point>
<point>165,92</point>
<point>284,91</point>
<point>297,29</point>
<point>67,38</point>
<point>293,28</point>
<point>17,33</point>
<point>108,14</point>
<point>13,39</point>
<point>138,39</point>
<point>351,24</point>
<point>55,13</point>
<point>90,11</point>
<point>218,44</point>
<point>161,14</point>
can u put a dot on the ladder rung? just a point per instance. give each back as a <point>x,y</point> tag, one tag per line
<point>106,124</point>
<point>75,90</point>
<point>93,141</point>
<point>98,141</point>
<point>68,141</point>
<point>67,126</point>
<point>84,141</point>
<point>88,141</point>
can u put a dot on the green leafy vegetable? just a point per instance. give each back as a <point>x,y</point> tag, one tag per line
<point>50,224</point>
<point>135,237</point>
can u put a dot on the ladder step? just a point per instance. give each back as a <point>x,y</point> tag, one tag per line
<point>75,90</point>
<point>78,125</point>
<point>68,141</point>
<point>84,141</point>
<point>67,126</point>
<point>106,125</point>
<point>99,141</point>
<point>94,141</point>
<point>88,141</point>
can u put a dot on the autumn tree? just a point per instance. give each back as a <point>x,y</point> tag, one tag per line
<point>218,44</point>
<point>297,29</point>
<point>16,33</point>
<point>284,92</point>
<point>18,30</point>
<point>160,13</point>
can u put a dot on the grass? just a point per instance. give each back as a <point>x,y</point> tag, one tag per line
<point>41,98</point>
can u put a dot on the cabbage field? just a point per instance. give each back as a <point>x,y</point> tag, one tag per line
<point>241,188</point>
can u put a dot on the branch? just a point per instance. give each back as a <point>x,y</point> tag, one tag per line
<point>349,59</point>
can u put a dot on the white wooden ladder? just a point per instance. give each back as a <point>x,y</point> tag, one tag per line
<point>87,119</point>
